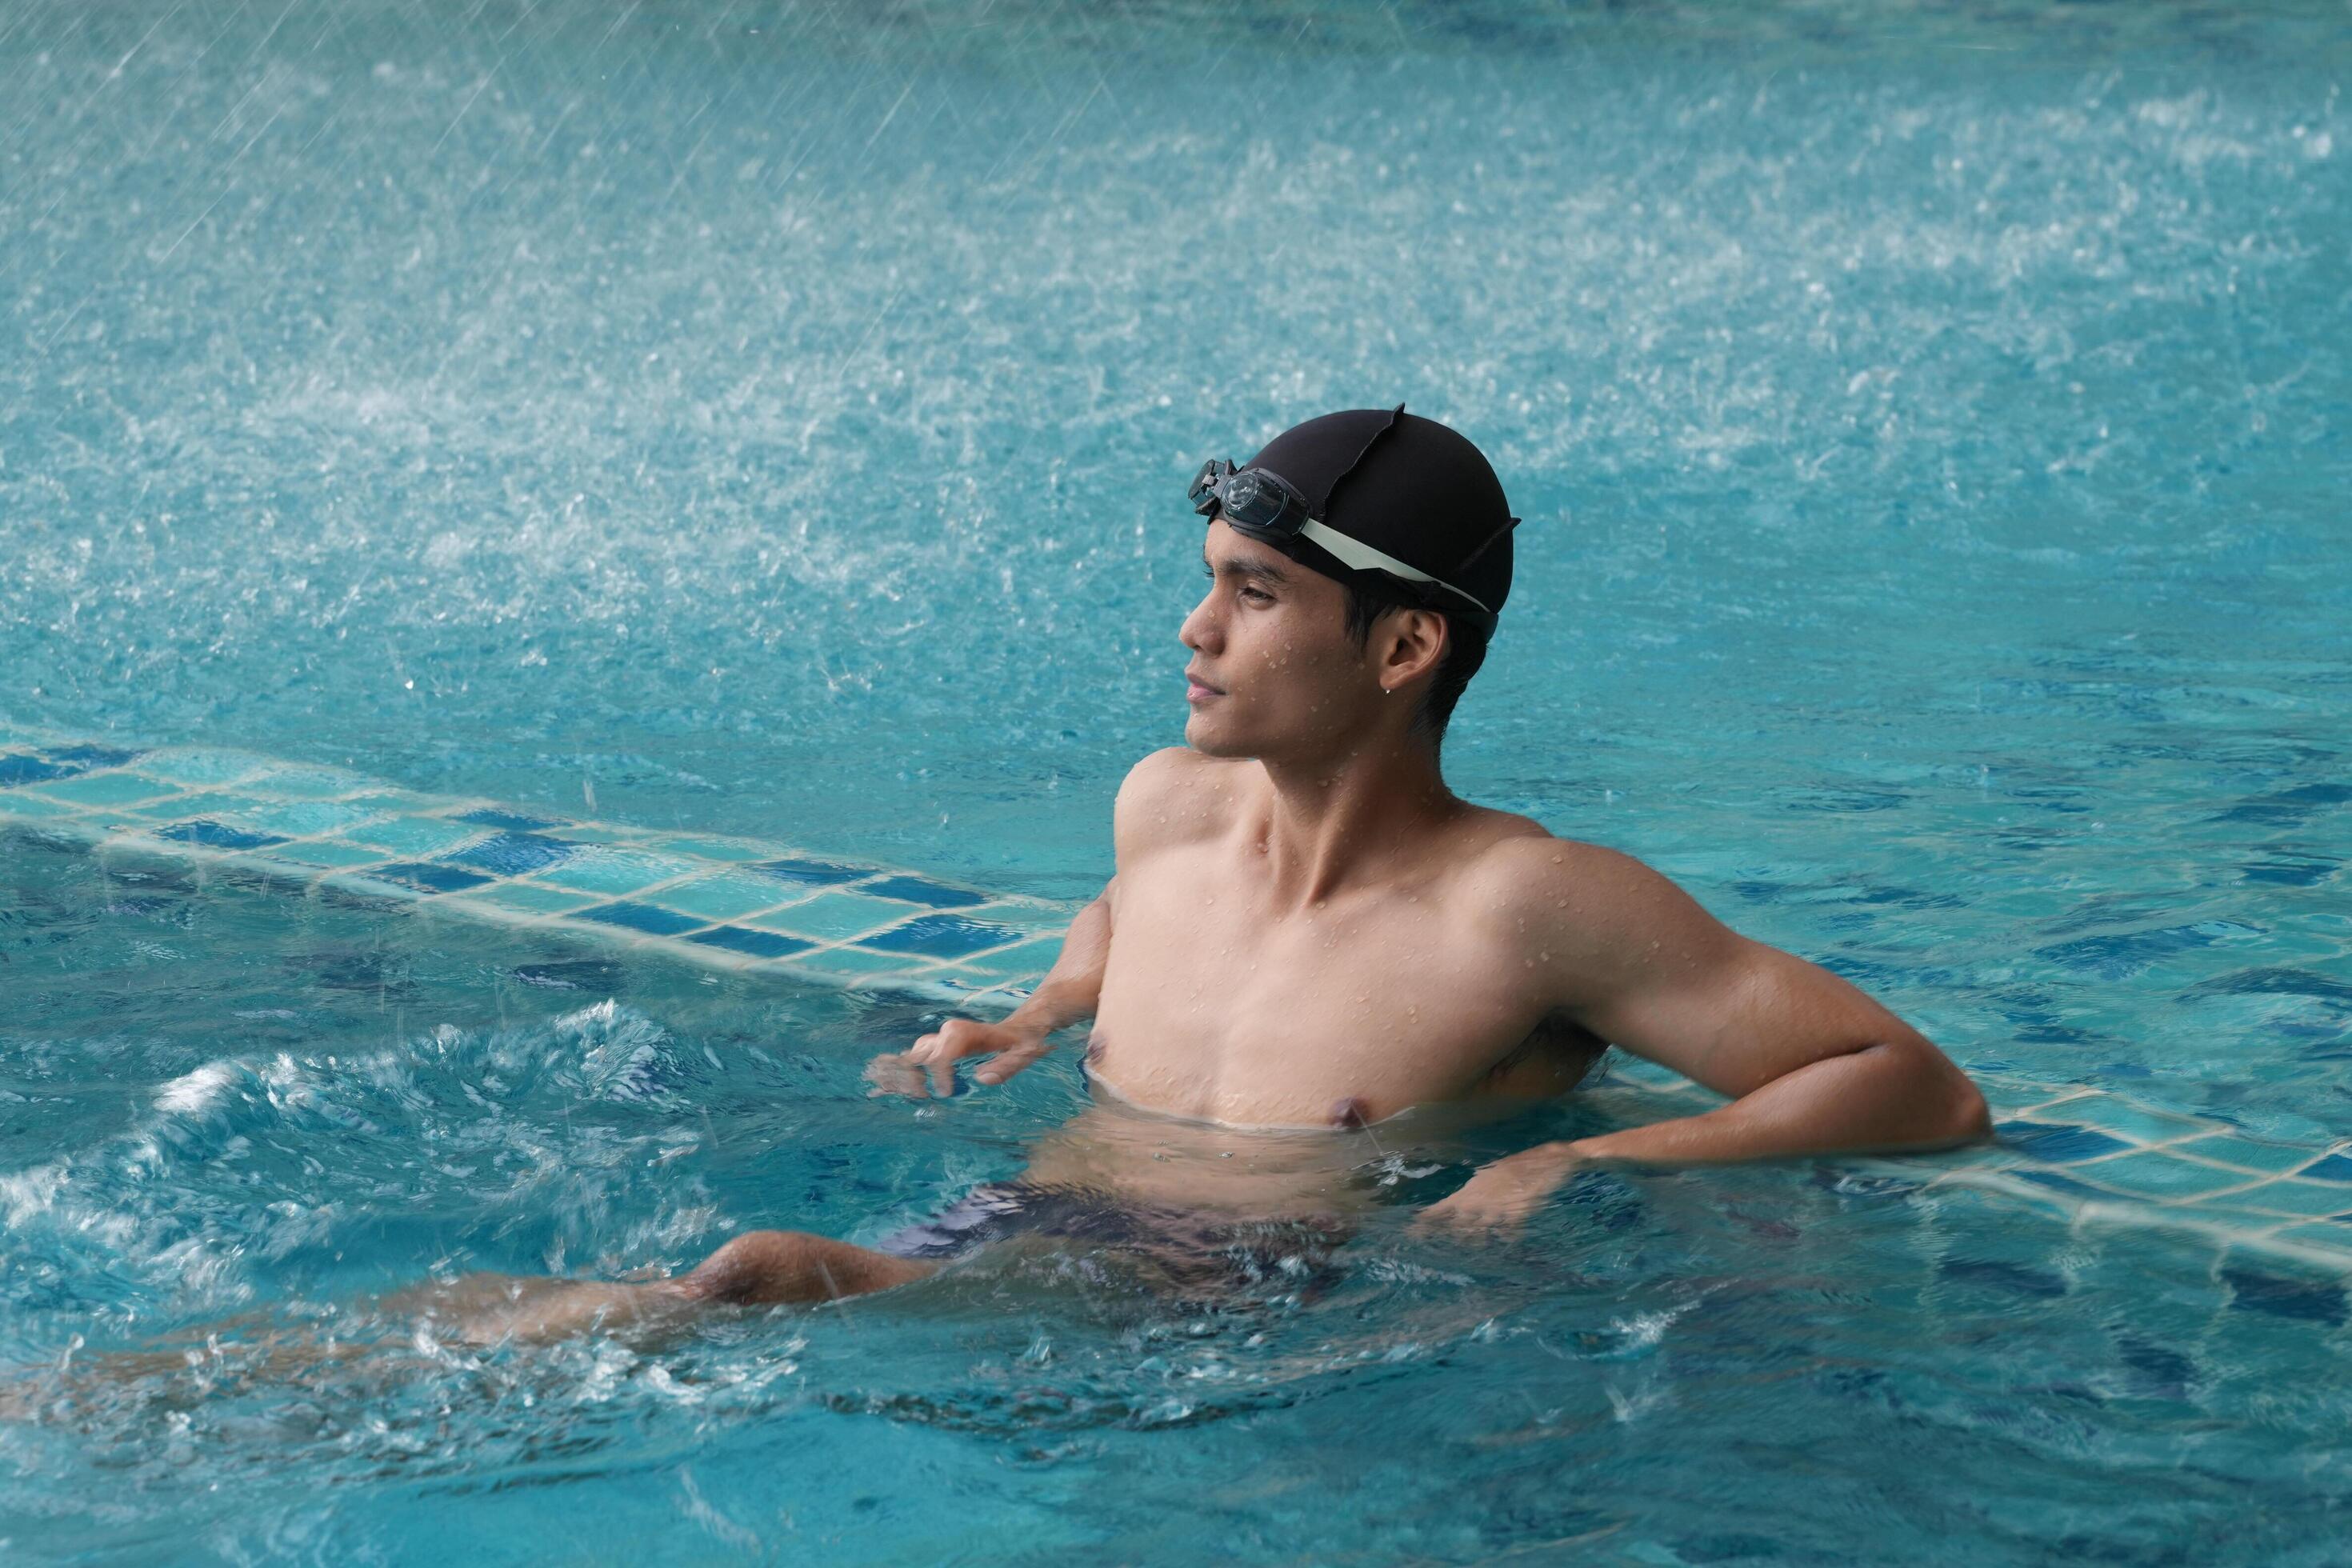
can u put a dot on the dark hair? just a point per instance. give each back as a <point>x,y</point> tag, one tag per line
<point>1465,649</point>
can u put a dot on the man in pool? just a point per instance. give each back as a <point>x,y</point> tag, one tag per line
<point>1308,934</point>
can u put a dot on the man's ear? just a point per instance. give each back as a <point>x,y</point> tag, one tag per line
<point>1412,643</point>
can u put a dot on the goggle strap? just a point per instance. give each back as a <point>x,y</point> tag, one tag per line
<point>1356,553</point>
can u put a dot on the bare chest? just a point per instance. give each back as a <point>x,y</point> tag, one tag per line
<point>1213,1007</point>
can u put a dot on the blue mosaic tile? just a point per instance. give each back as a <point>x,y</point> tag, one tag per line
<point>2303,1200</point>
<point>639,916</point>
<point>2334,1168</point>
<point>428,878</point>
<point>2311,1300</point>
<point>325,855</point>
<point>20,768</point>
<point>1031,958</point>
<point>1029,918</point>
<point>302,818</point>
<point>918,890</point>
<point>213,835</point>
<point>2138,1123</point>
<point>851,963</point>
<point>391,803</point>
<point>514,821</point>
<point>2156,1176</point>
<point>835,917</point>
<point>742,938</point>
<point>91,756</point>
<point>2247,1153</point>
<point>200,766</point>
<point>2067,1185</point>
<point>607,868</point>
<point>523,898</point>
<point>2327,1234</point>
<point>707,849</point>
<point>107,789</point>
<point>606,833</point>
<point>810,873</point>
<point>2056,1142</point>
<point>510,854</point>
<point>725,896</point>
<point>294,782</point>
<point>413,836</point>
<point>940,936</point>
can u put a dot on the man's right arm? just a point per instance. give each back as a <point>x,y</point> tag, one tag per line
<point>1068,995</point>
<point>1071,990</point>
<point>1154,790</point>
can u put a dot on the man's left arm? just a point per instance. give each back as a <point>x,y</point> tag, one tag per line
<point>1812,1065</point>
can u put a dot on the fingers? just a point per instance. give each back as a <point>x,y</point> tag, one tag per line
<point>892,1073</point>
<point>1008,1062</point>
<point>952,1041</point>
<point>1466,1218</point>
<point>939,1051</point>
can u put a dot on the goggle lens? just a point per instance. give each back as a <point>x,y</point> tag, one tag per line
<point>1248,499</point>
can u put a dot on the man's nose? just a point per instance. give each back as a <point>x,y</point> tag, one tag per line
<point>1201,628</point>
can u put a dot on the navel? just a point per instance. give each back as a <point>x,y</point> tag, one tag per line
<point>1349,1112</point>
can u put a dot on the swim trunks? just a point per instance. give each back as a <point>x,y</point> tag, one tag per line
<point>1193,1254</point>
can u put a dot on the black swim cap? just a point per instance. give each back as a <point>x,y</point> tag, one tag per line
<point>1406,486</point>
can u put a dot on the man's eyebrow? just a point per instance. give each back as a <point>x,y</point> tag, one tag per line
<point>1248,566</point>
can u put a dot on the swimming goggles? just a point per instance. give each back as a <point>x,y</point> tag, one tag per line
<point>1261,503</point>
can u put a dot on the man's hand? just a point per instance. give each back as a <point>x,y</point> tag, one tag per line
<point>1500,1197</point>
<point>1013,1046</point>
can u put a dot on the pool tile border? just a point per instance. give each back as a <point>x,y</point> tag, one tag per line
<point>741,904</point>
<point>2093,1156</point>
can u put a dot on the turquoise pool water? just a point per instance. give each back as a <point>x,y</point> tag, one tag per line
<point>1931,426</point>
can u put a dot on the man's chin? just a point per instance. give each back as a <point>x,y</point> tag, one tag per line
<point>1211,739</point>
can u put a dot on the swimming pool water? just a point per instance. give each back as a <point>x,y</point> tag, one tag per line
<point>1930,426</point>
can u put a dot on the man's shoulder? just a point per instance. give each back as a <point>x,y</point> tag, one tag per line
<point>1528,879</point>
<point>1524,855</point>
<point>1176,793</point>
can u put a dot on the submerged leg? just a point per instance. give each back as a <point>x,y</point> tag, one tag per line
<point>757,1269</point>
<point>764,1265</point>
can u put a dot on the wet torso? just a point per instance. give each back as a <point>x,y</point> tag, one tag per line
<point>1221,1006</point>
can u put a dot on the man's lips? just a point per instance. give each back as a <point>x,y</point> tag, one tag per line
<point>1196,690</point>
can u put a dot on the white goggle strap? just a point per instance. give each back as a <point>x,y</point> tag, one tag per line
<point>1355,553</point>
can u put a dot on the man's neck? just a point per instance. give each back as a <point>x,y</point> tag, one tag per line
<point>1342,821</point>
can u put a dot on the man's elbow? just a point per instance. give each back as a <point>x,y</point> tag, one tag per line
<point>1971,1118</point>
<point>1961,1114</point>
<point>1948,1109</point>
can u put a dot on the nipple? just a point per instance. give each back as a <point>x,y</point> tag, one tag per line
<point>1347,1113</point>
